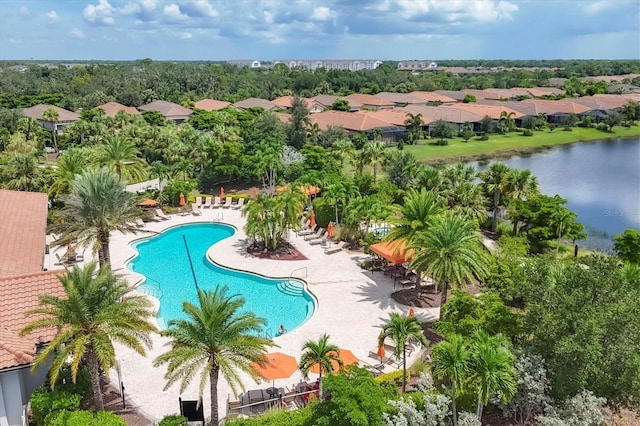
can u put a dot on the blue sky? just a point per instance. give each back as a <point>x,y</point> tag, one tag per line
<point>310,29</point>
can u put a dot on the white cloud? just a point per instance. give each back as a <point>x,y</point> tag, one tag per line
<point>149,4</point>
<point>205,8</point>
<point>321,13</point>
<point>24,11</point>
<point>184,35</point>
<point>101,13</point>
<point>76,32</point>
<point>129,9</point>
<point>598,6</point>
<point>459,10</point>
<point>52,15</point>
<point>173,13</point>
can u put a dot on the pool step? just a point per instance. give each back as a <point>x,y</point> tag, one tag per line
<point>292,288</point>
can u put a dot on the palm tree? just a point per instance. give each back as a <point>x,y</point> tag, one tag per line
<point>492,369</point>
<point>159,171</point>
<point>265,222</point>
<point>93,314</point>
<point>415,217</point>
<point>21,173</point>
<point>450,359</point>
<point>122,158</point>
<point>521,184</point>
<point>344,148</point>
<point>375,153</point>
<point>495,180</point>
<point>71,163</point>
<point>218,337</point>
<point>52,116</point>
<point>340,192</point>
<point>403,330</point>
<point>562,219</point>
<point>97,205</point>
<point>450,252</point>
<point>414,123</point>
<point>290,203</point>
<point>506,122</point>
<point>429,177</point>
<point>321,353</point>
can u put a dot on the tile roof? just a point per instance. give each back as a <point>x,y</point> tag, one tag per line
<point>37,112</point>
<point>168,109</point>
<point>19,294</point>
<point>211,104</point>
<point>601,101</point>
<point>526,108</point>
<point>492,111</point>
<point>394,117</point>
<point>448,114</point>
<point>369,100</point>
<point>254,103</point>
<point>286,101</point>
<point>348,120</point>
<point>23,227</point>
<point>454,94</point>
<point>435,96</point>
<point>550,107</point>
<point>283,117</point>
<point>401,98</point>
<point>112,108</point>
<point>537,92</point>
<point>328,100</point>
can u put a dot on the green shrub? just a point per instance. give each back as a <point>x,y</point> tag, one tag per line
<point>44,402</point>
<point>82,385</point>
<point>171,192</point>
<point>484,137</point>
<point>298,417</point>
<point>393,378</point>
<point>567,129</point>
<point>173,420</point>
<point>325,211</point>
<point>84,418</point>
<point>527,132</point>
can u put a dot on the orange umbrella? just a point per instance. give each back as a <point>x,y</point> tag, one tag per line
<point>394,251</point>
<point>381,352</point>
<point>345,355</point>
<point>330,229</point>
<point>182,202</point>
<point>411,313</point>
<point>147,202</point>
<point>254,192</point>
<point>222,192</point>
<point>278,366</point>
<point>312,220</point>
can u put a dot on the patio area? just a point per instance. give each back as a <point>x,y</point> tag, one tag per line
<point>352,305</point>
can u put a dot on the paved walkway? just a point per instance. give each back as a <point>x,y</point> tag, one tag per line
<point>352,305</point>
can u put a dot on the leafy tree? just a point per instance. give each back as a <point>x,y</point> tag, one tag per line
<point>469,98</point>
<point>320,353</point>
<point>486,125</point>
<point>627,246</point>
<point>450,359</point>
<point>584,409</point>
<point>341,105</point>
<point>93,314</point>
<point>495,181</point>
<point>467,131</point>
<point>218,337</point>
<point>631,110</point>
<point>530,122</point>
<point>267,162</point>
<point>612,119</point>
<point>400,167</point>
<point>441,130</point>
<point>97,205</point>
<point>403,330</point>
<point>154,118</point>
<point>297,128</point>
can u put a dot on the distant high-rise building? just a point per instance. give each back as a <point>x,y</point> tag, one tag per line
<point>314,64</point>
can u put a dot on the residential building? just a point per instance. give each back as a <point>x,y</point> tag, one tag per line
<point>331,64</point>
<point>370,101</point>
<point>455,117</point>
<point>169,110</point>
<point>256,103</point>
<point>65,117</point>
<point>112,108</point>
<point>356,123</point>
<point>434,97</point>
<point>284,102</point>
<point>394,117</point>
<point>327,101</point>
<point>211,104</point>
<point>417,66</point>
<point>400,99</point>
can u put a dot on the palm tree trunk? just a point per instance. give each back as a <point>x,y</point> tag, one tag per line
<point>496,201</point>
<point>404,370</point>
<point>94,371</point>
<point>213,384</point>
<point>375,170</point>
<point>418,283</point>
<point>515,228</point>
<point>443,297</point>
<point>479,408</point>
<point>453,403</point>
<point>320,385</point>
<point>55,141</point>
<point>104,257</point>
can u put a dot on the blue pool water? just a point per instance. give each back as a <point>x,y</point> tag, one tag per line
<point>163,260</point>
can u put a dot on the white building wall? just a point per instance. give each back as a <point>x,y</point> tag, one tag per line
<point>12,398</point>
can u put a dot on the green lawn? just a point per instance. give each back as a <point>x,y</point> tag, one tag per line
<point>510,144</point>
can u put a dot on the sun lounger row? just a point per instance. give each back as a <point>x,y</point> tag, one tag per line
<point>215,202</point>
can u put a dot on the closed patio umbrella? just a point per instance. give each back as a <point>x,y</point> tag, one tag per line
<point>330,229</point>
<point>182,202</point>
<point>411,312</point>
<point>312,220</point>
<point>381,352</point>
<point>222,192</point>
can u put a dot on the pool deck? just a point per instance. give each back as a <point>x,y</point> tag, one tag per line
<point>352,305</point>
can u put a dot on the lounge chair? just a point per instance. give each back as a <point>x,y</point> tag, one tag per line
<point>140,223</point>
<point>198,202</point>
<point>207,203</point>
<point>308,231</point>
<point>321,239</point>
<point>227,203</point>
<point>385,360</point>
<point>216,202</point>
<point>162,215</point>
<point>338,247</point>
<point>195,210</point>
<point>318,233</point>
<point>239,204</point>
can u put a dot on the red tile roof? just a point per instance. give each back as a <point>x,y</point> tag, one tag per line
<point>18,295</point>
<point>23,227</point>
<point>451,115</point>
<point>400,98</point>
<point>328,100</point>
<point>394,117</point>
<point>211,104</point>
<point>492,111</point>
<point>37,112</point>
<point>286,101</point>
<point>550,107</point>
<point>168,109</point>
<point>433,97</point>
<point>348,120</point>
<point>112,108</point>
<point>370,100</point>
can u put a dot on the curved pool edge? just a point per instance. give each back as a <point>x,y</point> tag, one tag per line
<point>141,279</point>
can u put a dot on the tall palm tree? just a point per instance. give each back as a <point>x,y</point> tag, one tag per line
<point>321,353</point>
<point>450,359</point>
<point>521,184</point>
<point>93,314</point>
<point>492,369</point>
<point>218,337</point>
<point>414,123</point>
<point>562,219</point>
<point>52,116</point>
<point>450,252</point>
<point>403,330</point>
<point>97,205</point>
<point>495,180</point>
<point>375,153</point>
<point>419,211</point>
<point>265,222</point>
<point>291,203</point>
<point>121,157</point>
<point>71,163</point>
<point>160,171</point>
<point>340,192</point>
<point>429,177</point>
<point>344,149</point>
<point>506,122</point>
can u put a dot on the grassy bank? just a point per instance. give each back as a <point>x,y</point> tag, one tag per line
<point>509,145</point>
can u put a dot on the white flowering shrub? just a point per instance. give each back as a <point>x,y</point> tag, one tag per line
<point>584,409</point>
<point>468,419</point>
<point>291,156</point>
<point>531,397</point>
<point>436,412</point>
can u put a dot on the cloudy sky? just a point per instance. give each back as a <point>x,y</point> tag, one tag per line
<point>310,29</point>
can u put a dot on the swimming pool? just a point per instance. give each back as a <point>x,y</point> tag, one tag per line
<point>163,260</point>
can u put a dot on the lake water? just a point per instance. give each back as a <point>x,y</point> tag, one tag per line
<point>600,181</point>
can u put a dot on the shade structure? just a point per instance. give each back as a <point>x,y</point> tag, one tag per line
<point>312,220</point>
<point>278,366</point>
<point>309,190</point>
<point>393,251</point>
<point>182,202</point>
<point>330,229</point>
<point>222,192</point>
<point>147,202</point>
<point>345,355</point>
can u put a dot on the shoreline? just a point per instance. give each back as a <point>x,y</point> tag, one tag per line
<point>499,154</point>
